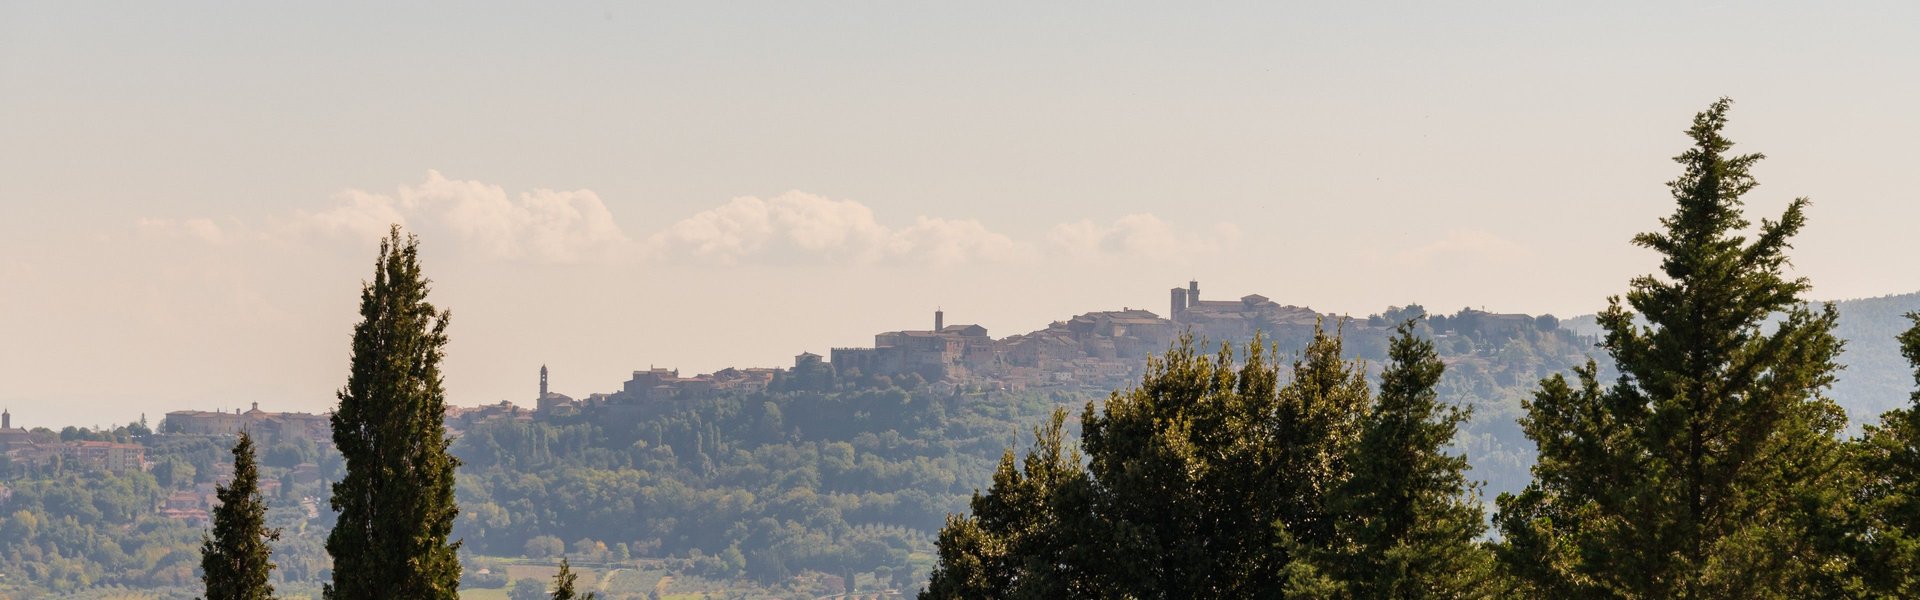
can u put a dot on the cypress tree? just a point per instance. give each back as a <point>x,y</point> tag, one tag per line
<point>236,560</point>
<point>396,501</point>
<point>1410,519</point>
<point>563,582</point>
<point>1703,469</point>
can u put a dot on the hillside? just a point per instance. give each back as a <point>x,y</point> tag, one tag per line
<point>791,487</point>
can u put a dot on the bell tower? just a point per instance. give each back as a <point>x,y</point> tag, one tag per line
<point>6,419</point>
<point>543,381</point>
<point>939,319</point>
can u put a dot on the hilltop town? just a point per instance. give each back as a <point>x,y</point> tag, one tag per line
<point>1091,352</point>
<point>1094,351</point>
<point>1088,353</point>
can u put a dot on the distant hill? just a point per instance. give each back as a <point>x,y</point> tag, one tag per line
<point>815,473</point>
<point>1876,378</point>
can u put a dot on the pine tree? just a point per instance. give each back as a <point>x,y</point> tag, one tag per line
<point>1889,555</point>
<point>236,560</point>
<point>396,501</point>
<point>1410,520</point>
<point>563,582</point>
<point>1024,535</point>
<point>1704,469</point>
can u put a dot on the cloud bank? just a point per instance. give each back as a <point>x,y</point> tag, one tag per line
<point>541,225</point>
<point>550,226</point>
<point>802,226</point>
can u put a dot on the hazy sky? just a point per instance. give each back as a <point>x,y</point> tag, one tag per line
<point>192,193</point>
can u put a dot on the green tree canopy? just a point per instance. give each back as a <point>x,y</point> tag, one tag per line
<point>235,560</point>
<point>1706,468</point>
<point>528,588</point>
<point>1890,520</point>
<point>1410,519</point>
<point>1024,538</point>
<point>396,500</point>
<point>563,582</point>
<point>1213,479</point>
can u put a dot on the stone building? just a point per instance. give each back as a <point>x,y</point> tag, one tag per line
<point>11,437</point>
<point>269,426</point>
<point>1238,320</point>
<point>944,353</point>
<point>657,383</point>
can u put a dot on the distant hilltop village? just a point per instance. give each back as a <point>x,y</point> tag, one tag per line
<point>1100,349</point>
<point>1096,351</point>
<point>23,447</point>
<point>1091,352</point>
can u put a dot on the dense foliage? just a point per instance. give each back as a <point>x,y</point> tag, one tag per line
<point>1712,466</point>
<point>396,502</point>
<point>1888,546</point>
<point>65,530</point>
<point>1218,477</point>
<point>563,584</point>
<point>762,486</point>
<point>1409,523</point>
<point>235,558</point>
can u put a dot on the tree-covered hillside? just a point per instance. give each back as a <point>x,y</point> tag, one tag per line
<point>761,486</point>
<point>819,475</point>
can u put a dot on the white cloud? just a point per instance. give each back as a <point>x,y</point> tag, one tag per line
<point>541,225</point>
<point>358,214</point>
<point>948,241</point>
<point>1137,237</point>
<point>482,220</point>
<point>1467,246</point>
<point>801,226</point>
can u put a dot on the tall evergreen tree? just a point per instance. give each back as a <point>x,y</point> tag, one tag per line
<point>1026,536</point>
<point>1702,471</point>
<point>396,501</point>
<point>1410,520</point>
<point>236,560</point>
<point>1890,461</point>
<point>563,583</point>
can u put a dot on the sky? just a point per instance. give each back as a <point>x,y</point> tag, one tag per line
<point>192,193</point>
